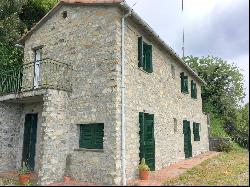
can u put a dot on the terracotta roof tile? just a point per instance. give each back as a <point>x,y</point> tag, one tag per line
<point>92,1</point>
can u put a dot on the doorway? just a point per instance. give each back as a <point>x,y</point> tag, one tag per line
<point>29,140</point>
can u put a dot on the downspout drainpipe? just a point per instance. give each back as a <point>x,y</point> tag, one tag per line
<point>123,129</point>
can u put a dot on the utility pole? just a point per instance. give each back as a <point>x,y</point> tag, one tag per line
<point>183,32</point>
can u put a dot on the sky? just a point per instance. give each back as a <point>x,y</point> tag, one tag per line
<point>212,27</point>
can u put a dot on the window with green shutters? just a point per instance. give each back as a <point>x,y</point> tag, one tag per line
<point>196,131</point>
<point>91,136</point>
<point>184,83</point>
<point>145,56</point>
<point>193,90</point>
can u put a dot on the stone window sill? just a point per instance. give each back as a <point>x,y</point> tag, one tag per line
<point>89,150</point>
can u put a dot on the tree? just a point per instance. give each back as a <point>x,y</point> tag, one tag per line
<point>34,10</point>
<point>222,97</point>
<point>224,90</point>
<point>10,24</point>
<point>10,31</point>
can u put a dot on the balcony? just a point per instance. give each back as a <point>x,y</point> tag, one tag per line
<point>43,74</point>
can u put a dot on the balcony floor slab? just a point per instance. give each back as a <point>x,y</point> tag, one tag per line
<point>24,97</point>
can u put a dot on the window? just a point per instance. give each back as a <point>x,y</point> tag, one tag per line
<point>184,83</point>
<point>173,71</point>
<point>196,131</point>
<point>145,56</point>
<point>175,125</point>
<point>193,90</point>
<point>37,64</point>
<point>91,136</point>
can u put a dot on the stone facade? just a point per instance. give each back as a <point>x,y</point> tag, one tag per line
<point>12,130</point>
<point>89,44</point>
<point>10,115</point>
<point>159,93</point>
<point>89,39</point>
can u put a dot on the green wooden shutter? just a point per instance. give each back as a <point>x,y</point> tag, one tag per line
<point>145,56</point>
<point>182,81</point>
<point>192,88</point>
<point>85,140</point>
<point>141,121</point>
<point>140,52</point>
<point>187,139</point>
<point>195,91</point>
<point>186,84</point>
<point>150,59</point>
<point>196,129</point>
<point>98,135</point>
<point>91,136</point>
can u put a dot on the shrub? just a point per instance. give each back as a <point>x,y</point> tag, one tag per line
<point>143,166</point>
<point>225,147</point>
<point>24,169</point>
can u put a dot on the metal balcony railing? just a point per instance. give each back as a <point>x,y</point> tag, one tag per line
<point>43,74</point>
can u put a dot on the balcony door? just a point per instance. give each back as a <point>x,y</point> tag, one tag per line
<point>38,58</point>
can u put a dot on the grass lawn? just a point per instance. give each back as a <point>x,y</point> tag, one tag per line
<point>227,169</point>
<point>6,182</point>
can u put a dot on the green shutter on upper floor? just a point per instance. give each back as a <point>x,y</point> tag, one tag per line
<point>149,61</point>
<point>140,52</point>
<point>184,83</point>
<point>193,90</point>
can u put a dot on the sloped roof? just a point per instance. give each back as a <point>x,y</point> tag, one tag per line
<point>126,7</point>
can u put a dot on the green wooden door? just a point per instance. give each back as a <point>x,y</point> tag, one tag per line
<point>187,139</point>
<point>147,141</point>
<point>29,140</point>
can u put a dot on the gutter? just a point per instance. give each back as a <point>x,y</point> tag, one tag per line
<point>123,88</point>
<point>148,29</point>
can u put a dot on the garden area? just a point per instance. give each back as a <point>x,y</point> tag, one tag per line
<point>228,169</point>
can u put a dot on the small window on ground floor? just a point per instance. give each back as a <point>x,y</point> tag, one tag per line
<point>91,136</point>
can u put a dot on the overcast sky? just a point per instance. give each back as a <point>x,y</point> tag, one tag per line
<point>212,27</point>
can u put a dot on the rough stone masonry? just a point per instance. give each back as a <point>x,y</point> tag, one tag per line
<point>89,39</point>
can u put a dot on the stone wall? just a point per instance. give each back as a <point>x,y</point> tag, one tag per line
<point>10,126</point>
<point>90,40</point>
<point>86,39</point>
<point>160,94</point>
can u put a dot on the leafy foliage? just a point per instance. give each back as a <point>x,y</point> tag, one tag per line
<point>34,10</point>
<point>10,56</point>
<point>10,24</point>
<point>225,147</point>
<point>143,166</point>
<point>24,169</point>
<point>222,97</point>
<point>224,90</point>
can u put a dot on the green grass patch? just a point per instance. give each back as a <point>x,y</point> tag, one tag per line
<point>8,182</point>
<point>225,170</point>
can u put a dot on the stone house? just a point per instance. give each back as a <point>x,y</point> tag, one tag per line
<point>98,90</point>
